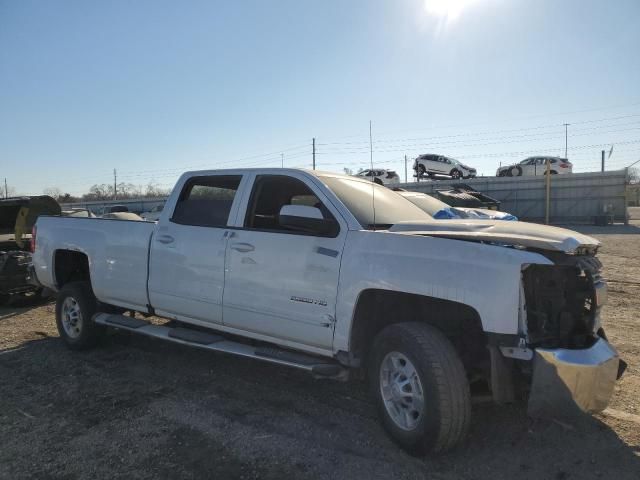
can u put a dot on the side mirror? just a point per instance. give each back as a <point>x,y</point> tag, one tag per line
<point>306,219</point>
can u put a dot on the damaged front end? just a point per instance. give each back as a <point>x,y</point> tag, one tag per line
<point>574,367</point>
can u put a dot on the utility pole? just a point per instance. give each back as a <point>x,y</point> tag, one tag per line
<point>565,139</point>
<point>548,202</point>
<point>115,185</point>
<point>405,169</point>
<point>314,153</point>
<point>371,144</point>
<point>602,168</point>
<point>282,159</point>
<point>6,189</point>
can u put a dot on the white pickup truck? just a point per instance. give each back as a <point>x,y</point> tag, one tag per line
<point>341,277</point>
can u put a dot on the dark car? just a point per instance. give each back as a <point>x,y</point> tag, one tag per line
<point>17,217</point>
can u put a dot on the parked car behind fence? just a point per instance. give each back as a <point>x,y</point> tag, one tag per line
<point>536,166</point>
<point>380,176</point>
<point>432,164</point>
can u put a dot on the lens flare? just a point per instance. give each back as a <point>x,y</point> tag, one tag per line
<point>447,9</point>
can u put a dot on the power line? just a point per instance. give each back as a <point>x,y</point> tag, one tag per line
<point>398,141</point>
<point>463,125</point>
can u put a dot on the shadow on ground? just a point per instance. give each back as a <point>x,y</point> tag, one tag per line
<point>20,304</point>
<point>136,407</point>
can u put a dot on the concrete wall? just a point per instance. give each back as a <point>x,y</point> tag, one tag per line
<point>575,198</point>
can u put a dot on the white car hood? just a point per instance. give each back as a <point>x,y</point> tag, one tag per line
<point>496,231</point>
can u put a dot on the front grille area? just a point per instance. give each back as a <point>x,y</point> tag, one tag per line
<point>560,302</point>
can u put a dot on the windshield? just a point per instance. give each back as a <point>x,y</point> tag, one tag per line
<point>390,208</point>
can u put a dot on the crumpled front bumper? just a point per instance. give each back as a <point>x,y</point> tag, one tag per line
<point>568,382</point>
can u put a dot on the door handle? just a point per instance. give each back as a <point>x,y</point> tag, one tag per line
<point>165,239</point>
<point>243,247</point>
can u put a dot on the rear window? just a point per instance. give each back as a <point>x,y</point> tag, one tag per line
<point>206,201</point>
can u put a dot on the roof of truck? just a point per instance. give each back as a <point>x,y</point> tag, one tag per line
<point>274,170</point>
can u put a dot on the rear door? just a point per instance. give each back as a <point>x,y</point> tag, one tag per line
<point>186,266</point>
<point>282,283</point>
<point>432,164</point>
<point>529,167</point>
<point>442,165</point>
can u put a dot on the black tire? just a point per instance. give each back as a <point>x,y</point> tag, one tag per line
<point>86,332</point>
<point>456,174</point>
<point>447,402</point>
<point>378,181</point>
<point>515,171</point>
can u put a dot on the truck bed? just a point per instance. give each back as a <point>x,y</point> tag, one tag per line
<point>118,249</point>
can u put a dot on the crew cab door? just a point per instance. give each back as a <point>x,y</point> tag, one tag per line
<point>186,265</point>
<point>282,283</point>
<point>440,165</point>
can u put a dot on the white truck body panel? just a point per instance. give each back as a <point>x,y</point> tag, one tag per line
<point>118,251</point>
<point>474,274</point>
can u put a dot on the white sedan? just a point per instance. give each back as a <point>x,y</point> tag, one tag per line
<point>536,166</point>
<point>380,176</point>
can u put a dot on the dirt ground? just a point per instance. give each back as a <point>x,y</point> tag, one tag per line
<point>139,408</point>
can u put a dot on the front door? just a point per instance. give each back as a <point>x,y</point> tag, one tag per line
<point>282,283</point>
<point>186,264</point>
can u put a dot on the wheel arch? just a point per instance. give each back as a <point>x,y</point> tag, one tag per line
<point>377,308</point>
<point>70,266</point>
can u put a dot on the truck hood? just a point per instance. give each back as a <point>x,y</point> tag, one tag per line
<point>520,234</point>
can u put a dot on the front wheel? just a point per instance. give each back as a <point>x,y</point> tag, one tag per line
<point>456,174</point>
<point>75,308</point>
<point>420,388</point>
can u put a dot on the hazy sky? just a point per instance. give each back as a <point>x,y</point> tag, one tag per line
<point>152,87</point>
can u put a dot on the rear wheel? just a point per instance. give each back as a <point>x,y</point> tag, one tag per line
<point>75,308</point>
<point>515,171</point>
<point>420,387</point>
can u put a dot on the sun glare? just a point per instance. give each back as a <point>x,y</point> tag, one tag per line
<point>446,9</point>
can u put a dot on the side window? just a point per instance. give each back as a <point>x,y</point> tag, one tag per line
<point>206,201</point>
<point>270,193</point>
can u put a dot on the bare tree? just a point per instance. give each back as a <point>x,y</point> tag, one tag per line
<point>102,191</point>
<point>54,192</point>
<point>9,191</point>
<point>634,175</point>
<point>153,190</point>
